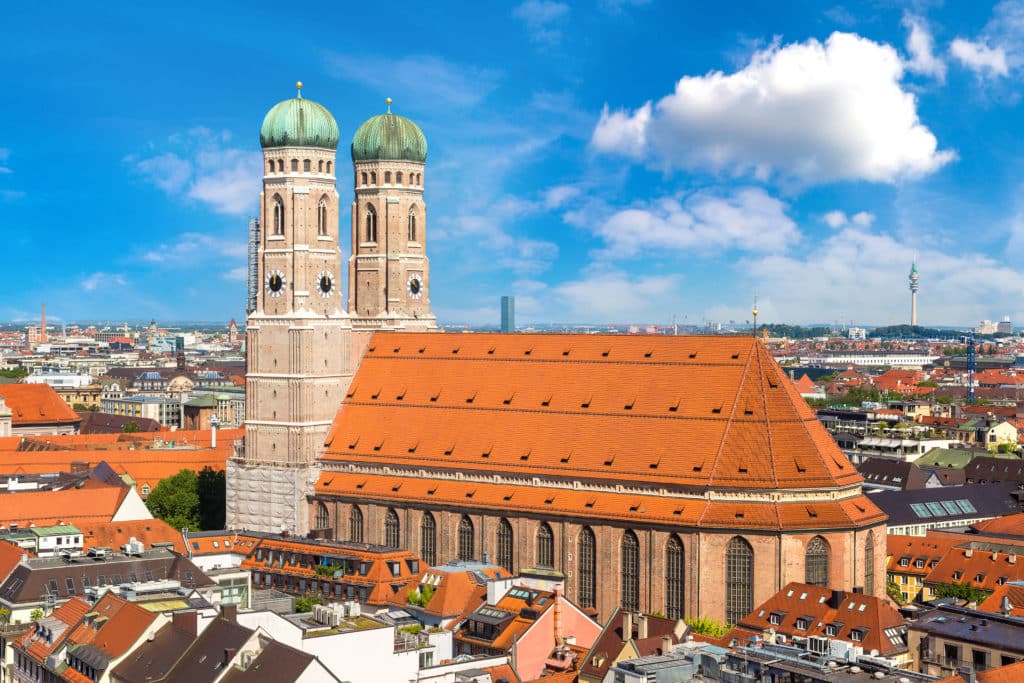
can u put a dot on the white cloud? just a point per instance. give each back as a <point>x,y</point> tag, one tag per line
<point>810,112</point>
<point>617,296</point>
<point>201,168</point>
<point>91,283</point>
<point>835,219</point>
<point>192,247</point>
<point>746,219</point>
<point>980,58</point>
<point>920,45</point>
<point>857,275</point>
<point>557,196</point>
<point>424,80</point>
<point>239,274</point>
<point>542,18</point>
<point>865,219</point>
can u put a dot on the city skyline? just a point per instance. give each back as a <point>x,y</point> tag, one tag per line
<point>581,176</point>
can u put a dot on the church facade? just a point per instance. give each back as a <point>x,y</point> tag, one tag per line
<point>682,475</point>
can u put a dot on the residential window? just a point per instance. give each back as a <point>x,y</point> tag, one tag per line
<point>739,579</point>
<point>545,546</point>
<point>428,539</point>
<point>467,549</point>
<point>355,525</point>
<point>674,573</point>
<point>587,568</point>
<point>392,529</point>
<point>816,562</point>
<point>505,544</point>
<point>630,572</point>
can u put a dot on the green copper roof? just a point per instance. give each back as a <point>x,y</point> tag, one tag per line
<point>299,122</point>
<point>389,136</point>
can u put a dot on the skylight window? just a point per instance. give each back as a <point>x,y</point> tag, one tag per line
<point>966,505</point>
<point>920,510</point>
<point>935,509</point>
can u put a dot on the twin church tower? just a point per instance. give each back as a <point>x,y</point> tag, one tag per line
<point>303,342</point>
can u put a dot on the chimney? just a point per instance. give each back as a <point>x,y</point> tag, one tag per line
<point>836,599</point>
<point>229,612</point>
<point>627,625</point>
<point>666,644</point>
<point>187,622</point>
<point>641,626</point>
<point>229,654</point>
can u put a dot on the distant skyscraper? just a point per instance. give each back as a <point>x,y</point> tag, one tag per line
<point>508,314</point>
<point>914,279</point>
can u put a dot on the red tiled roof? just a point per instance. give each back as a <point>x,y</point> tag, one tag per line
<point>1008,525</point>
<point>1011,673</point>
<point>10,556</point>
<point>124,624</point>
<point>600,407</point>
<point>1012,592</point>
<point>928,549</point>
<point>97,504</point>
<point>36,404</point>
<point>68,614</point>
<point>985,569</point>
<point>106,534</point>
<point>866,614</point>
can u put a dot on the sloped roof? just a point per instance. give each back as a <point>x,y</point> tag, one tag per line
<point>880,624</point>
<point>928,550</point>
<point>100,534</point>
<point>1013,592</point>
<point>1008,526</point>
<point>108,423</point>
<point>57,622</point>
<point>125,623</point>
<point>277,662</point>
<point>97,503</point>
<point>980,564</point>
<point>683,412</point>
<point>36,404</point>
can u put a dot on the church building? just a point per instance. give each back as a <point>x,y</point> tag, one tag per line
<point>682,475</point>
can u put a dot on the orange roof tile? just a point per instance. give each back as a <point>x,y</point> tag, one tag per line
<point>62,618</point>
<point>32,404</point>
<point>1012,592</point>
<point>50,507</point>
<point>1011,673</point>
<point>124,624</point>
<point>1008,525</point>
<point>675,411</point>
<point>10,556</point>
<point>919,553</point>
<point>978,567</point>
<point>106,534</point>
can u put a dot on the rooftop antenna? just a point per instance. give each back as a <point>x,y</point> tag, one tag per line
<point>754,312</point>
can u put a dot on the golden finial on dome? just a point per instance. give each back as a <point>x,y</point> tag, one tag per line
<point>298,86</point>
<point>388,102</point>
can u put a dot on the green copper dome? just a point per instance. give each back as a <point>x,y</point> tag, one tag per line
<point>391,137</point>
<point>299,122</point>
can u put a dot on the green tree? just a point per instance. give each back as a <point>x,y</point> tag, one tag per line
<point>211,487</point>
<point>306,602</point>
<point>36,614</point>
<point>963,591</point>
<point>707,626</point>
<point>176,500</point>
<point>14,373</point>
<point>82,408</point>
<point>131,427</point>
<point>894,591</point>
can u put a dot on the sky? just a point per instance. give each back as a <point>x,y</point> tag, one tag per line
<point>612,161</point>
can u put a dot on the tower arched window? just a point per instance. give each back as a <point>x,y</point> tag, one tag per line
<point>467,544</point>
<point>398,178</point>
<point>869,565</point>
<point>320,166</point>
<point>364,178</point>
<point>505,542</point>
<point>412,224</point>
<point>392,529</point>
<point>373,177</point>
<point>428,539</point>
<point>322,519</point>
<point>321,217</point>
<point>586,568</point>
<point>816,562</point>
<point>739,579</point>
<point>355,525</point>
<point>278,215</point>
<point>630,572</point>
<point>387,177</point>
<point>280,165</point>
<point>545,546</point>
<point>295,165</point>
<point>675,572</point>
<point>306,166</point>
<point>371,223</point>
<point>270,166</point>
<point>330,165</point>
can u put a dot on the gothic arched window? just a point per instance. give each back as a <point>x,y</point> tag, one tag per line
<point>586,568</point>
<point>739,579</point>
<point>466,541</point>
<point>323,519</point>
<point>630,572</point>
<point>387,177</point>
<point>869,565</point>
<point>364,178</point>
<point>412,224</point>
<point>306,166</point>
<point>392,529</point>
<point>371,223</point>
<point>270,164</point>
<point>320,166</point>
<point>329,166</point>
<point>545,546</point>
<point>280,165</point>
<point>675,571</point>
<point>278,215</point>
<point>398,178</point>
<point>428,539</point>
<point>373,177</point>
<point>816,562</point>
<point>321,217</point>
<point>295,165</point>
<point>505,544</point>
<point>355,525</point>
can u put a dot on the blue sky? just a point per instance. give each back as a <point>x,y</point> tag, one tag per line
<point>610,161</point>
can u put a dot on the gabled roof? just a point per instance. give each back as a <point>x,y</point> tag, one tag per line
<point>457,591</point>
<point>613,639</point>
<point>980,564</point>
<point>204,660</point>
<point>1009,526</point>
<point>36,404</point>
<point>1011,673</point>
<point>124,623</point>
<point>108,423</point>
<point>39,643</point>
<point>277,662</point>
<point>98,504</point>
<point>152,659</point>
<point>870,622</point>
<point>681,412</point>
<point>1009,595</point>
<point>99,534</point>
<point>927,551</point>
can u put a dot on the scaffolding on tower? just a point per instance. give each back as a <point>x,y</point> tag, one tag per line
<point>254,251</point>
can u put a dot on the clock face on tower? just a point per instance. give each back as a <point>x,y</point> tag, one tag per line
<point>275,283</point>
<point>325,283</point>
<point>414,286</point>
